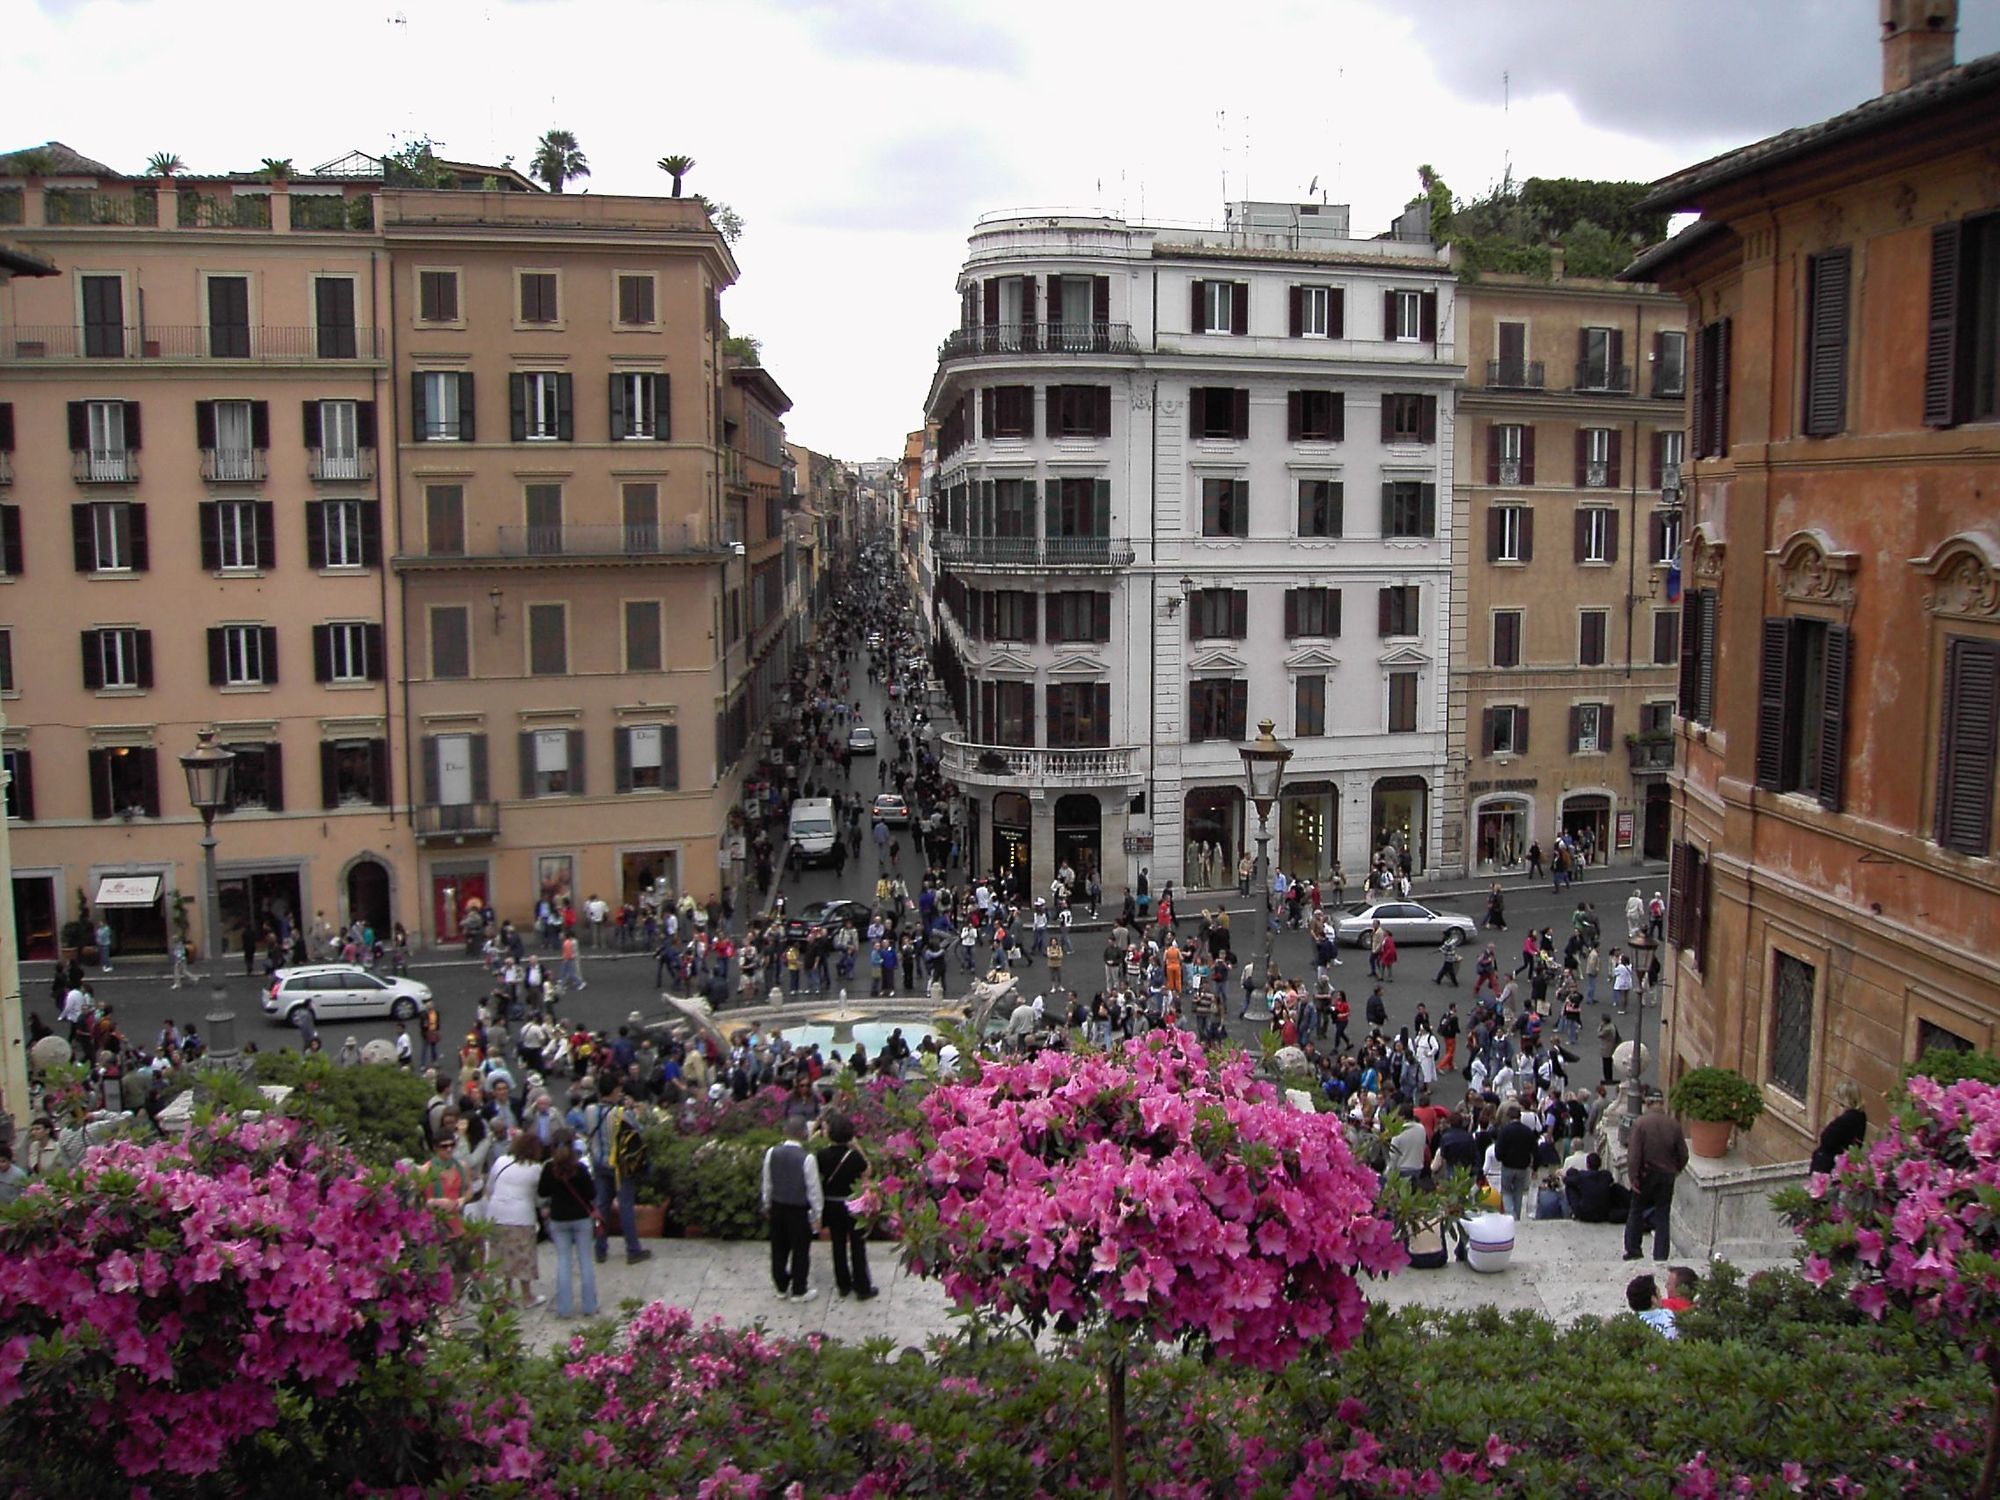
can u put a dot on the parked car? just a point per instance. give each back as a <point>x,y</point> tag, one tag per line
<point>338,992</point>
<point>891,809</point>
<point>1406,921</point>
<point>820,914</point>
<point>860,740</point>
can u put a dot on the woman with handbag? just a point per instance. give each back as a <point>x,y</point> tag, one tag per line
<point>567,1188</point>
<point>513,1199</point>
<point>841,1168</point>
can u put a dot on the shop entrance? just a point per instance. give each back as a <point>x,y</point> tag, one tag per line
<point>1013,835</point>
<point>1308,829</point>
<point>453,894</point>
<point>1399,814</point>
<point>1586,818</point>
<point>368,896</point>
<point>1079,835</point>
<point>134,908</point>
<point>1659,822</point>
<point>1502,834</point>
<point>255,901</point>
<point>1214,827</point>
<point>647,877</point>
<point>35,924</point>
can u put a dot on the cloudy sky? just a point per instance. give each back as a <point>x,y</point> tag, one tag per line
<point>859,139</point>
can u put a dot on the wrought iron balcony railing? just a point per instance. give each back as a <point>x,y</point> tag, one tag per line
<point>456,820</point>
<point>1595,375</point>
<point>104,465</point>
<point>1514,374</point>
<point>1040,338</point>
<point>1034,552</point>
<point>34,343</point>
<point>232,465</point>
<point>326,465</point>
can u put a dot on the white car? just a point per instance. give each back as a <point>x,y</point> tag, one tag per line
<point>860,740</point>
<point>891,809</point>
<point>337,992</point>
<point>1405,921</point>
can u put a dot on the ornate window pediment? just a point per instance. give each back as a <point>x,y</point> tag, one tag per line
<point>1706,550</point>
<point>1965,577</point>
<point>1312,659</point>
<point>1403,656</point>
<point>1217,661</point>
<point>1079,666</point>
<point>1811,570</point>
<point>1003,660</point>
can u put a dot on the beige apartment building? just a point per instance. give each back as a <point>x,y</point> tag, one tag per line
<point>1567,501</point>
<point>415,496</point>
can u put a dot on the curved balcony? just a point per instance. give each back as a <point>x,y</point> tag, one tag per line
<point>1032,553</point>
<point>1014,767</point>
<point>1039,338</point>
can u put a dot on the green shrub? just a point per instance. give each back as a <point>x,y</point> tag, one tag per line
<point>1717,1094</point>
<point>1950,1064</point>
<point>716,1183</point>
<point>376,1108</point>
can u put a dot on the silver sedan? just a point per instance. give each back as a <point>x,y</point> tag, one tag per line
<point>1406,921</point>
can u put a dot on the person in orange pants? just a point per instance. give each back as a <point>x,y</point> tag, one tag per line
<point>1447,1030</point>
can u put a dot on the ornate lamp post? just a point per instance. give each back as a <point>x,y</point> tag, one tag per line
<point>210,769</point>
<point>1264,765</point>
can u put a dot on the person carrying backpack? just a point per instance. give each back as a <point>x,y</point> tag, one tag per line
<point>617,1158</point>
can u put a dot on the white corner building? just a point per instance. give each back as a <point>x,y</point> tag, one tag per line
<point>1188,480</point>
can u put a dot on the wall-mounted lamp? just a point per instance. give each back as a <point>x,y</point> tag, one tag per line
<point>493,598</point>
<point>1175,601</point>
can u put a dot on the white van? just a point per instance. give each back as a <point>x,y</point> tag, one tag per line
<point>812,829</point>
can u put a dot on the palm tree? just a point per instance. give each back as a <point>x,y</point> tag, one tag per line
<point>275,167</point>
<point>677,167</point>
<point>558,158</point>
<point>165,164</point>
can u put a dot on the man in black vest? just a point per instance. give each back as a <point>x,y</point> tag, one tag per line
<point>794,1202</point>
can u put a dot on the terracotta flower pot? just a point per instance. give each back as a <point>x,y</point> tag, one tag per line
<point>1709,1137</point>
<point>649,1220</point>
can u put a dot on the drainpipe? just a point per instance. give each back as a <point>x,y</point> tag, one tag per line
<point>394,447</point>
<point>1632,496</point>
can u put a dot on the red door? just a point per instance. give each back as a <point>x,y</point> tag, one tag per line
<point>452,896</point>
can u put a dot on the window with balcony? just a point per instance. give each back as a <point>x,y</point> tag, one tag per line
<point>1312,612</point>
<point>1666,636</point>
<point>1589,728</point>
<point>334,333</point>
<point>1596,534</point>
<point>233,437</point>
<point>1598,457</point>
<point>1317,312</point>
<point>1409,508</point>
<point>1600,360</point>
<point>645,643</point>
<point>1409,419</point>
<point>117,658</point>
<point>444,520</point>
<point>1511,371</point>
<point>451,641</point>
<point>344,534</point>
<point>110,537</point>
<point>1003,508</point>
<point>1402,703</point>
<point>1218,411</point>
<point>354,773</point>
<point>441,406</point>
<point>347,651</point>
<point>1668,446</point>
<point>437,296</point>
<point>1079,715</point>
<point>636,299</point>
<point>238,535</point>
<point>1666,535</point>
<point>1507,638</point>
<point>1309,704</point>
<point>1504,729</point>
<point>551,763</point>
<point>1802,708</point>
<point>1217,708</point>
<point>540,406</point>
<point>1510,454</point>
<point>242,656</point>
<point>1315,416</point>
<point>228,317</point>
<point>1007,713</point>
<point>1078,616</point>
<point>338,435</point>
<point>639,408</point>
<point>1218,614</point>
<point>548,640</point>
<point>1510,534</point>
<point>1078,510</point>
<point>1079,411</point>
<point>647,757</point>
<point>544,508</point>
<point>1968,746</point>
<point>104,436</point>
<point>124,782</point>
<point>1225,507</point>
<point>539,302</point>
<point>1007,411</point>
<point>1962,356</point>
<point>1670,363</point>
<point>1398,611</point>
<point>20,792</point>
<point>1592,636</point>
<point>1221,307</point>
<point>104,316</point>
<point>1321,503</point>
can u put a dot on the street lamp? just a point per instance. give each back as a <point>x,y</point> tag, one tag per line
<point>210,768</point>
<point>1264,765</point>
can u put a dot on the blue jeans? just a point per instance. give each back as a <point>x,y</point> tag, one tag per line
<point>627,1194</point>
<point>572,1241</point>
<point>1515,1185</point>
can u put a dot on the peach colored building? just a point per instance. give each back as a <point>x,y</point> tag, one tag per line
<point>192,536</point>
<point>1835,871</point>
<point>1568,513</point>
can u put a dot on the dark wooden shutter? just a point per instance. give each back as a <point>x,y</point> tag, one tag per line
<point>1604,727</point>
<point>142,552</point>
<point>1384,604</point>
<point>274,776</point>
<point>1581,528</point>
<point>1197,307</point>
<point>1028,319</point>
<point>371,533</point>
<point>467,430</point>
<point>315,534</point>
<point>379,785</point>
<point>1428,303</point>
<point>218,657</point>
<point>1527,534</point>
<point>1611,536</point>
<point>1100,507</point>
<point>322,653</point>
<point>1239,613</point>
<point>1336,314</point>
<point>986,405</point>
<point>100,784</point>
<point>1389,316</point>
<point>670,757</point>
<point>1677,895</point>
<point>1388,507</point>
<point>142,656</point>
<point>1614,463</point>
<point>1721,416</point>
<point>1656,536</point>
<point>1101,403</point>
<point>364,424</point>
<point>1294,414</point>
<point>1337,411</point>
<point>1968,741</point>
<point>309,423</point>
<point>93,661</point>
<point>269,643</point>
<point>1656,466</point>
<point>260,425</point>
<point>1051,410</point>
<point>79,426</point>
<point>1486,731</point>
<point>1520,731</point>
<point>1100,299</point>
<point>1701,416</point>
<point>517,407</point>
<point>1295,311</point>
<point>83,537</point>
<point>1427,510</point>
<point>24,785</point>
<point>371,645</point>
<point>621,759</point>
<point>1496,522</point>
<point>1239,307</point>
<point>329,774</point>
<point>1239,420</point>
<point>266,522</point>
<point>1197,410</point>
<point>618,417</point>
<point>1827,280</point>
<point>1291,613</point>
<point>1388,418</point>
<point>432,780</point>
<point>1774,661</point>
<point>481,789</point>
<point>1427,419</point>
<point>148,762</point>
<point>1333,612</point>
<point>1100,613</point>
<point>1690,681</point>
<point>419,419</point>
<point>1239,708</point>
<point>1492,456</point>
<point>204,424</point>
<point>7,437</point>
<point>527,759</point>
<point>1830,773</point>
<point>1527,455</point>
<point>131,426</point>
<point>11,561</point>
<point>1575,726</point>
<point>1582,456</point>
<point>1941,345</point>
<point>208,522</point>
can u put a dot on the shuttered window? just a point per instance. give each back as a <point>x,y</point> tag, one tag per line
<point>1711,395</point>
<point>1962,355</point>
<point>1967,739</point>
<point>1828,276</point>
<point>1507,638</point>
<point>1219,614</point>
<point>1802,677</point>
<point>1309,704</point>
<point>1079,715</point>
<point>1697,677</point>
<point>1312,612</point>
<point>1321,503</point>
<point>1218,708</point>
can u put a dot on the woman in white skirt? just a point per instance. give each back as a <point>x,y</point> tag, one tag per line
<point>514,1208</point>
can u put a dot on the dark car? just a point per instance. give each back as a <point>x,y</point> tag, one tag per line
<point>821,914</point>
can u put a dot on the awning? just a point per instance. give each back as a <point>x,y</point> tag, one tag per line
<point>127,890</point>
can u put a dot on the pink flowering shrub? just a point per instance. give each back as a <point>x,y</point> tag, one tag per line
<point>175,1300</point>
<point>1912,1222</point>
<point>1150,1188</point>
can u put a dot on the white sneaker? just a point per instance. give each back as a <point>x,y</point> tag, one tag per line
<point>807,1295</point>
<point>783,1295</point>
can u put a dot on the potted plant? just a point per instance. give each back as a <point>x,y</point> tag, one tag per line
<point>1713,1100</point>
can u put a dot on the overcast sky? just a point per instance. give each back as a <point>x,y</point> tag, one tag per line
<point>860,139</point>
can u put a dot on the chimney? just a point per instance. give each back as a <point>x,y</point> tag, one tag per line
<point>1555,262</point>
<point>1917,41</point>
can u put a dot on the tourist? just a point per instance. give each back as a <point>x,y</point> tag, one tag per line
<point>794,1202</point>
<point>841,1166</point>
<point>1642,1295</point>
<point>513,1207</point>
<point>1514,1147</point>
<point>571,1195</point>
<point>1844,1131</point>
<point>1657,1154</point>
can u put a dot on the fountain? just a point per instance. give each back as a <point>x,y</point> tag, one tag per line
<point>842,1019</point>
